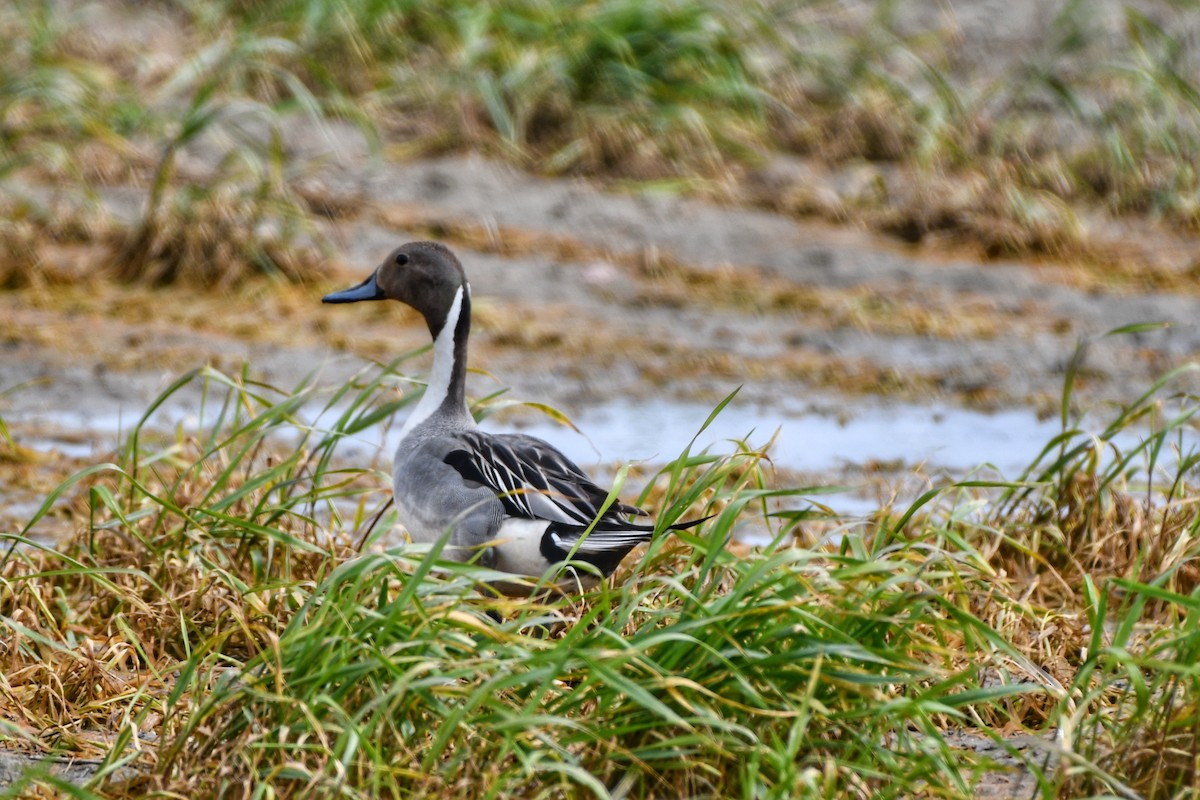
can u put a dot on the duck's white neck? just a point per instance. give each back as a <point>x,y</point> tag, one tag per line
<point>446,391</point>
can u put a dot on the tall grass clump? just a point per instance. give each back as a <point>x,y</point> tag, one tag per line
<point>1102,531</point>
<point>213,597</point>
<point>238,214</point>
<point>1118,502</point>
<point>999,157</point>
<point>64,119</point>
<point>1132,726</point>
<point>61,112</point>
<point>205,142</point>
<point>613,87</point>
<point>701,673</point>
<point>189,554</point>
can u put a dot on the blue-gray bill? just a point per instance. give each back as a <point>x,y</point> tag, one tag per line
<point>367,290</point>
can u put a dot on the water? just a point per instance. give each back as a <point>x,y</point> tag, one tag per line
<point>904,439</point>
<point>653,432</point>
<point>893,440</point>
<point>946,438</point>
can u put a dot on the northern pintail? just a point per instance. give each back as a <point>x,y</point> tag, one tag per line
<point>523,503</point>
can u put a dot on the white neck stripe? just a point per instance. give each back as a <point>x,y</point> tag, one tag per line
<point>443,368</point>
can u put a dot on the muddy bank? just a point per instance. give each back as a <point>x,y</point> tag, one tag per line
<point>584,297</point>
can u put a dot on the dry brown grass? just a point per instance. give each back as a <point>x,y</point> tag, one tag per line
<point>216,245</point>
<point>99,625</point>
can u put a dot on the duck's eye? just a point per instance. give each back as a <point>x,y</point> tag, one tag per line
<point>401,259</point>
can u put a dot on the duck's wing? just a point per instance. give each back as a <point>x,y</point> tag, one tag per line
<point>535,481</point>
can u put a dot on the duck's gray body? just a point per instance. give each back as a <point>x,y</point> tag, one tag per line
<point>433,501</point>
<point>511,501</point>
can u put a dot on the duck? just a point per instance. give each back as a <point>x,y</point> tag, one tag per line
<point>510,501</point>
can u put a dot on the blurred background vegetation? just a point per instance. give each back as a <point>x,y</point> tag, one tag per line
<point>1012,156</point>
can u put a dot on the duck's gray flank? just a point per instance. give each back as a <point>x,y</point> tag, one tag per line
<point>516,498</point>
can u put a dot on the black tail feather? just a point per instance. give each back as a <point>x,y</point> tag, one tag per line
<point>683,526</point>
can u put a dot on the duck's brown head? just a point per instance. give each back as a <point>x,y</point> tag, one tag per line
<point>423,275</point>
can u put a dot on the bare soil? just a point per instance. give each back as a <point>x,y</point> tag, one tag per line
<point>584,296</point>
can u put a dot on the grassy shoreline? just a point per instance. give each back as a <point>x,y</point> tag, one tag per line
<point>212,624</point>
